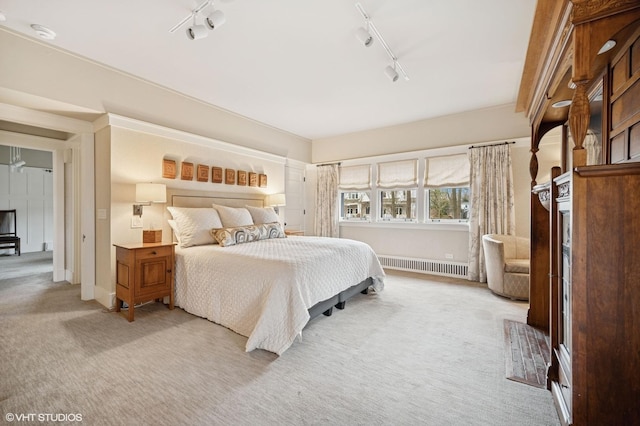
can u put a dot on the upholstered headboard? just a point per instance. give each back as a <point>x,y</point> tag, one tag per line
<point>184,198</point>
<point>178,200</point>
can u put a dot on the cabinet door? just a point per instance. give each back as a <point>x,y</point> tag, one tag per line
<point>153,267</point>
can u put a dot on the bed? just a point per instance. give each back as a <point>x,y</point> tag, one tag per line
<point>267,289</point>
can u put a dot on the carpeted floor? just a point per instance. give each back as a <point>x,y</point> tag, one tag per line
<point>424,351</point>
<point>12,266</point>
<point>527,353</point>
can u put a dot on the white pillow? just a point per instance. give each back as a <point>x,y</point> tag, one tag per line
<point>174,228</point>
<point>194,224</point>
<point>262,215</point>
<point>232,217</point>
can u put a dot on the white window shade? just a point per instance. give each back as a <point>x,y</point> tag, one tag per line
<point>448,171</point>
<point>355,177</point>
<point>398,174</point>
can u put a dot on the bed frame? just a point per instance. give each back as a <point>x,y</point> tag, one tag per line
<point>198,199</point>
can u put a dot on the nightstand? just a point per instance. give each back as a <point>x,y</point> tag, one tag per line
<point>292,232</point>
<point>144,271</point>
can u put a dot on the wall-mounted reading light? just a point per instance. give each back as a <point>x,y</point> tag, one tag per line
<point>276,201</point>
<point>147,193</point>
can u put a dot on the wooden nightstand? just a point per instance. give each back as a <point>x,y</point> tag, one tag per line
<point>144,271</point>
<point>292,232</point>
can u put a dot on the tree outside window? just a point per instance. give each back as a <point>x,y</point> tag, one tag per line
<point>448,204</point>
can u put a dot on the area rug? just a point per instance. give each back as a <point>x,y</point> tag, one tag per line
<point>527,353</point>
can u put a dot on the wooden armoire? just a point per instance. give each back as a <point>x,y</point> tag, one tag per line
<point>582,75</point>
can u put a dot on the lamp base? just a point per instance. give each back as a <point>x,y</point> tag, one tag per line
<point>152,236</point>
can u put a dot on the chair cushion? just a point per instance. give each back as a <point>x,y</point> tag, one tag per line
<point>519,266</point>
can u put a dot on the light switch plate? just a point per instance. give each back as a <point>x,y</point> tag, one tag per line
<point>136,222</point>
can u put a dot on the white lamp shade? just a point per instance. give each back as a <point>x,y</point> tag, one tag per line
<point>276,200</point>
<point>151,193</point>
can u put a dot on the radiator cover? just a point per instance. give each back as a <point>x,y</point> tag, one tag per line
<point>434,267</point>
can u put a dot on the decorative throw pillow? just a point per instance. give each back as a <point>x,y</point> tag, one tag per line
<point>232,217</point>
<point>237,235</point>
<point>194,224</point>
<point>272,230</point>
<point>246,234</point>
<point>262,214</point>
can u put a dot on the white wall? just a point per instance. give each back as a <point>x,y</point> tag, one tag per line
<point>484,125</point>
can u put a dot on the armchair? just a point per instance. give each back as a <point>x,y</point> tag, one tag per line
<point>507,261</point>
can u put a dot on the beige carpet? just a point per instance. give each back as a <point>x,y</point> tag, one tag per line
<point>424,351</point>
<point>12,266</point>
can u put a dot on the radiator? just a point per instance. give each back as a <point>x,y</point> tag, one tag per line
<point>435,267</point>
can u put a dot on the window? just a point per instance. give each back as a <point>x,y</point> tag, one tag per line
<point>398,181</point>
<point>447,183</point>
<point>399,205</point>
<point>355,192</point>
<point>447,204</point>
<point>355,205</point>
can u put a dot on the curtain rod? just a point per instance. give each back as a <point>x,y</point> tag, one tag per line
<point>495,144</point>
<point>328,164</point>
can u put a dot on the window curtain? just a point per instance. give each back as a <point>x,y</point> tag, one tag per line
<point>355,178</point>
<point>446,171</point>
<point>398,174</point>
<point>492,204</point>
<point>327,201</point>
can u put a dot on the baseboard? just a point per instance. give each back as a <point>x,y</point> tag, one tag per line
<point>104,297</point>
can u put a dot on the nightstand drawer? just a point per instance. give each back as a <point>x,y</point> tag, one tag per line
<point>153,252</point>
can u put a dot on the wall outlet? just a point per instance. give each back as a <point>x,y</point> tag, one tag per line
<point>136,222</point>
<point>448,256</point>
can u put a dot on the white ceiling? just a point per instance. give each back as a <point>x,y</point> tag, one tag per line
<point>296,64</point>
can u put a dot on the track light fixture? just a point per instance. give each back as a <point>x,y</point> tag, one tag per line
<point>390,71</point>
<point>196,32</point>
<point>212,21</point>
<point>215,19</point>
<point>364,35</point>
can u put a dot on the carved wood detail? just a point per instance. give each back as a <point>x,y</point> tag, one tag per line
<point>588,10</point>
<point>579,116</point>
<point>533,166</point>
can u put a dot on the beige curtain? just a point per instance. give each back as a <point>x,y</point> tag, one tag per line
<point>492,210</point>
<point>327,201</point>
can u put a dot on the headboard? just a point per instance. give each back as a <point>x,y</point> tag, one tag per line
<point>179,200</point>
<point>185,198</point>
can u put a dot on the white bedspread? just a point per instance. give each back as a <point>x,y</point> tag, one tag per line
<point>263,289</point>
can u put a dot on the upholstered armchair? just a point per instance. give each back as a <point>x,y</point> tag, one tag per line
<point>507,261</point>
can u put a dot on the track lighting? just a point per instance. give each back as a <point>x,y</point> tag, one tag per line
<point>213,20</point>
<point>362,33</point>
<point>364,36</point>
<point>391,72</point>
<point>196,32</point>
